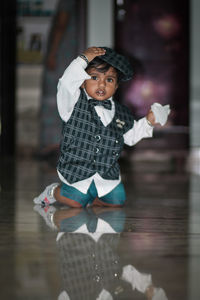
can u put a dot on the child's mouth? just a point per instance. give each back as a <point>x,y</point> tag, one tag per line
<point>100,93</point>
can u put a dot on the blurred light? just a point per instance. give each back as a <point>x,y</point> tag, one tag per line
<point>120,2</point>
<point>145,91</point>
<point>121,14</point>
<point>167,26</point>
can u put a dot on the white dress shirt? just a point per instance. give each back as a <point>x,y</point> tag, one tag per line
<point>67,95</point>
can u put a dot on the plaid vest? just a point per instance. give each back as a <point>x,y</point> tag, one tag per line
<point>87,146</point>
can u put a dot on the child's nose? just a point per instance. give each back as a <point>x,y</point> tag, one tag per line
<point>102,82</point>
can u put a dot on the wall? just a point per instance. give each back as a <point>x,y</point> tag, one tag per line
<point>195,73</point>
<point>100,23</point>
<point>195,86</point>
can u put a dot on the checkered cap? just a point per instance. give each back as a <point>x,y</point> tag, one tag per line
<point>119,62</point>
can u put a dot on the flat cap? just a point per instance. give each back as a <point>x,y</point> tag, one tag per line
<point>119,62</point>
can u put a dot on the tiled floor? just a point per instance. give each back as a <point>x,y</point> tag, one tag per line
<point>148,250</point>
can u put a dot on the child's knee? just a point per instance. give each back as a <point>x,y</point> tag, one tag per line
<point>65,200</point>
<point>73,203</point>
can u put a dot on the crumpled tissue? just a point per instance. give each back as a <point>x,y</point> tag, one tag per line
<point>160,112</point>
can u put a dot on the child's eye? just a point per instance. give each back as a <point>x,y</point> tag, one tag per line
<point>93,77</point>
<point>110,79</point>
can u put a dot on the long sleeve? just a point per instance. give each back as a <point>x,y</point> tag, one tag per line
<point>141,129</point>
<point>68,90</point>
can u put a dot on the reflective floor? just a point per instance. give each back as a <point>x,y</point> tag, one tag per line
<point>150,249</point>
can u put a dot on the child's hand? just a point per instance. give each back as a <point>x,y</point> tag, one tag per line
<point>151,118</point>
<point>92,52</point>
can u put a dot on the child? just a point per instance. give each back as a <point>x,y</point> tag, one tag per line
<point>95,128</point>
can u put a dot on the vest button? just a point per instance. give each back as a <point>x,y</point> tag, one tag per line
<point>116,141</point>
<point>115,153</point>
<point>97,150</point>
<point>97,137</point>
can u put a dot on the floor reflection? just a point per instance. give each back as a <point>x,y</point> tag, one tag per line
<point>147,250</point>
<point>90,261</point>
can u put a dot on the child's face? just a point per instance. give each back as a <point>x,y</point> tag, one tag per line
<point>101,86</point>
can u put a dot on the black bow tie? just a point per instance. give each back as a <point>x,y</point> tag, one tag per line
<point>105,103</point>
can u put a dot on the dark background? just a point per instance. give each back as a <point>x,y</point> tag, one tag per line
<point>153,34</point>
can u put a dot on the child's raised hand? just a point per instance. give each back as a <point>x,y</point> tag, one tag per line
<point>151,118</point>
<point>92,52</point>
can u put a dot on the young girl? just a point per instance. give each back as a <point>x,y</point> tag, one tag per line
<point>95,129</point>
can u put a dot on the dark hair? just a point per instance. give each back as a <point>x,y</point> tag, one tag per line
<point>102,66</point>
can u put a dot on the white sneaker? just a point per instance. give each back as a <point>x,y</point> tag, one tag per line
<point>46,197</point>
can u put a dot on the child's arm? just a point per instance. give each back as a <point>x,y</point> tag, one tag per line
<point>144,127</point>
<point>68,90</point>
<point>69,84</point>
<point>141,129</point>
